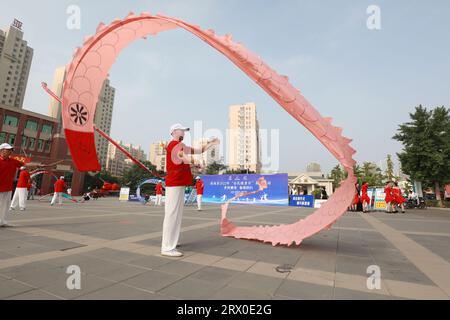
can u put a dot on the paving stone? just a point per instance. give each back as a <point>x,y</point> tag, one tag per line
<point>233,293</point>
<point>255,282</point>
<point>151,262</point>
<point>153,281</point>
<point>216,275</point>
<point>191,289</point>
<point>304,291</point>
<point>180,268</point>
<point>34,295</point>
<point>120,292</point>
<point>89,283</point>
<point>9,288</point>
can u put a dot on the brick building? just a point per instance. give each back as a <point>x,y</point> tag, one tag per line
<point>35,135</point>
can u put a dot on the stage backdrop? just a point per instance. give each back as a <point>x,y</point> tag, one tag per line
<point>220,188</point>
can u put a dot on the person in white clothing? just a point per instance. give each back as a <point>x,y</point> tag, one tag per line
<point>21,194</point>
<point>178,160</point>
<point>8,169</point>
<point>159,194</point>
<point>59,189</point>
<point>199,187</point>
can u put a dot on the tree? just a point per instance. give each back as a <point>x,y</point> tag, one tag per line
<point>134,175</point>
<point>426,147</point>
<point>215,167</point>
<point>96,180</point>
<point>389,168</point>
<point>372,174</point>
<point>337,175</point>
<point>239,171</point>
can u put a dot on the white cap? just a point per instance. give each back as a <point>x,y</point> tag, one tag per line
<point>178,126</point>
<point>6,146</point>
<point>62,177</point>
<point>22,168</point>
<point>197,177</point>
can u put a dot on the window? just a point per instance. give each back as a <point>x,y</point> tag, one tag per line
<point>2,137</point>
<point>48,146</point>
<point>11,120</point>
<point>24,141</point>
<point>31,125</point>
<point>11,139</point>
<point>40,145</point>
<point>47,128</point>
<point>31,143</point>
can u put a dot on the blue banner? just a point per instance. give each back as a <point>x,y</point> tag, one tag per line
<point>301,201</point>
<point>220,188</point>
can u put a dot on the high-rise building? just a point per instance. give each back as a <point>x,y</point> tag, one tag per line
<point>103,119</point>
<point>117,162</point>
<point>157,155</point>
<point>15,63</point>
<point>103,111</point>
<point>244,150</point>
<point>210,156</point>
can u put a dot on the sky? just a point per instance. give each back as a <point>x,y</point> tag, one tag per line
<point>368,81</point>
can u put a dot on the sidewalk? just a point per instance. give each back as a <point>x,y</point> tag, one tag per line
<point>116,246</point>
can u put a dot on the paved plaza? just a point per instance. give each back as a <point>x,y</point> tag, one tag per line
<point>116,246</point>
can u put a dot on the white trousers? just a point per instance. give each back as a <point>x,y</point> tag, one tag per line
<point>172,218</point>
<point>20,198</point>
<point>57,195</point>
<point>5,200</point>
<point>158,201</point>
<point>199,201</point>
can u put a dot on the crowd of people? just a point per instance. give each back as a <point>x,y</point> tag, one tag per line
<point>393,198</point>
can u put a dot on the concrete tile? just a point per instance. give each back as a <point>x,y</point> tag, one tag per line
<point>346,294</point>
<point>34,295</point>
<point>180,268</point>
<point>114,255</point>
<point>357,283</point>
<point>150,262</point>
<point>121,273</point>
<point>234,264</point>
<point>9,288</point>
<point>120,292</point>
<point>233,293</point>
<point>203,259</point>
<point>89,283</point>
<point>312,276</point>
<point>255,282</point>
<point>191,289</point>
<point>415,291</point>
<point>304,291</point>
<point>5,255</point>
<point>214,275</point>
<point>266,269</point>
<point>153,280</point>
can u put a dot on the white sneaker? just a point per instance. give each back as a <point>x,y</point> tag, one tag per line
<point>22,209</point>
<point>172,253</point>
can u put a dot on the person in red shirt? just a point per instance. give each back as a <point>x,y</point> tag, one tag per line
<point>199,185</point>
<point>388,197</point>
<point>8,169</point>
<point>21,193</point>
<point>354,205</point>
<point>364,197</point>
<point>159,193</point>
<point>59,185</point>
<point>397,197</point>
<point>178,160</point>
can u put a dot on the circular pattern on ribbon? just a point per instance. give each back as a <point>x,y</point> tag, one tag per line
<point>79,114</point>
